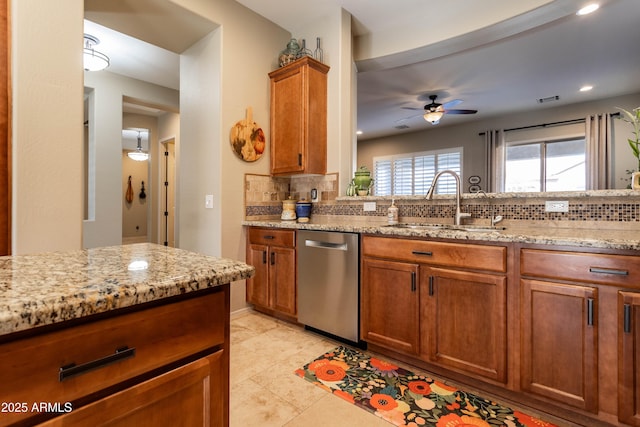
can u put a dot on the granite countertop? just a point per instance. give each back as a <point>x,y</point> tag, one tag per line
<point>48,288</point>
<point>568,235</point>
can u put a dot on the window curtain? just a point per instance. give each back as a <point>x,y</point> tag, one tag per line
<point>598,143</point>
<point>495,159</point>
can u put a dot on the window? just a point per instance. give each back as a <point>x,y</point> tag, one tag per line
<point>546,166</point>
<point>412,173</point>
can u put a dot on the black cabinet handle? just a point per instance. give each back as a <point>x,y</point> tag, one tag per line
<point>413,281</point>
<point>599,270</point>
<point>273,258</point>
<point>627,318</point>
<point>590,311</point>
<point>299,159</point>
<point>430,286</point>
<point>422,253</point>
<point>264,257</point>
<point>73,370</point>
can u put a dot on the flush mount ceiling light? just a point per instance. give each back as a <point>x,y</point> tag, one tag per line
<point>93,60</point>
<point>138,155</point>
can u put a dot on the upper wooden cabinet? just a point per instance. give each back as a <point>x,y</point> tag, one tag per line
<point>299,118</point>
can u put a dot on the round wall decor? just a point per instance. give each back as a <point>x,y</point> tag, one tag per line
<point>247,138</point>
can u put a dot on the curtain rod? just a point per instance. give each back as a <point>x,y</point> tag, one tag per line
<point>564,122</point>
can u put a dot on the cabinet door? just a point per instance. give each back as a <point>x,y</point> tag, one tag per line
<point>464,321</point>
<point>186,396</point>
<point>287,122</point>
<point>390,305</point>
<point>629,358</point>
<point>258,285</point>
<point>282,279</point>
<point>559,342</point>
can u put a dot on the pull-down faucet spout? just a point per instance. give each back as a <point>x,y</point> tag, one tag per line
<point>459,214</point>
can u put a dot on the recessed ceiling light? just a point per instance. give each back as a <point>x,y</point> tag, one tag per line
<point>588,9</point>
<point>586,88</point>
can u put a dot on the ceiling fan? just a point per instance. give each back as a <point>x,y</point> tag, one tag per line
<point>433,112</point>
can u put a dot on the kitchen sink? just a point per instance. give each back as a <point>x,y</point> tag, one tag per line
<point>468,227</point>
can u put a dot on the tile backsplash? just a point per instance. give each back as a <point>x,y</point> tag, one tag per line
<point>614,208</point>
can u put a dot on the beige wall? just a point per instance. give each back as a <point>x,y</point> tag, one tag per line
<point>135,214</point>
<point>47,125</point>
<point>466,136</point>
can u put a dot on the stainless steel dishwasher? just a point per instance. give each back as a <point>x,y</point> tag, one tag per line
<point>328,282</point>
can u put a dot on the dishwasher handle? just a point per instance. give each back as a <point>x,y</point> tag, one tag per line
<point>326,245</point>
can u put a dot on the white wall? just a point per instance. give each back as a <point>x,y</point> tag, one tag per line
<point>47,128</point>
<point>106,124</point>
<point>466,135</point>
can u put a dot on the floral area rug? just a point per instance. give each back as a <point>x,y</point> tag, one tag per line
<point>404,398</point>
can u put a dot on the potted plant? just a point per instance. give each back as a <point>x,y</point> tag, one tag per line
<point>633,117</point>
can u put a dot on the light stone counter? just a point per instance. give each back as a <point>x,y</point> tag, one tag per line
<point>566,235</point>
<point>43,289</point>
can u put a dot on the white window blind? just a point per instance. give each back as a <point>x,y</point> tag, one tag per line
<point>412,173</point>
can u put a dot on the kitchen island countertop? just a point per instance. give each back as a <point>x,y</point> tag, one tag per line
<point>48,288</point>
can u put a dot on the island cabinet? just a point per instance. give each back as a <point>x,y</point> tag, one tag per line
<point>443,302</point>
<point>299,118</point>
<point>162,365</point>
<point>577,309</point>
<point>273,287</point>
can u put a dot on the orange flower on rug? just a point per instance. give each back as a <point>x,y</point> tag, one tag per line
<point>404,398</point>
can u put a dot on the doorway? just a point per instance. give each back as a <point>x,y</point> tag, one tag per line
<point>169,192</point>
<point>135,181</point>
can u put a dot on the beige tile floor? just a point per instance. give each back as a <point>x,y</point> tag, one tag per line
<point>265,392</point>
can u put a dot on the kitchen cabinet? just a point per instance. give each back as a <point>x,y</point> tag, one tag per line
<point>629,358</point>
<point>571,310</point>
<point>464,321</point>
<point>299,118</point>
<point>166,364</point>
<point>390,305</point>
<point>5,142</point>
<point>559,342</point>
<point>460,321</point>
<point>273,287</point>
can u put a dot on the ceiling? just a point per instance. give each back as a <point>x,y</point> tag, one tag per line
<point>501,65</point>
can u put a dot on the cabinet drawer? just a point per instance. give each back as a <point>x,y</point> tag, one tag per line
<point>270,236</point>
<point>481,257</point>
<point>31,367</point>
<point>619,270</point>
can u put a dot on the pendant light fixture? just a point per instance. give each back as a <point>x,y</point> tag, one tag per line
<point>93,59</point>
<point>138,155</point>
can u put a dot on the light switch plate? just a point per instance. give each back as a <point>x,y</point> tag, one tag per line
<point>556,206</point>
<point>369,207</point>
<point>208,201</point>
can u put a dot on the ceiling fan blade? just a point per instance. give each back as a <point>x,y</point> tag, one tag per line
<point>452,103</point>
<point>413,108</point>
<point>461,111</point>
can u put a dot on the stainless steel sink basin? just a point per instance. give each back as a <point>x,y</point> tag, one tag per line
<point>469,227</point>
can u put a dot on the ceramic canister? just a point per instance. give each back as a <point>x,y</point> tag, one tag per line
<point>303,210</point>
<point>288,210</point>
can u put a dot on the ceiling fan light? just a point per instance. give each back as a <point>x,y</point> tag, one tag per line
<point>433,117</point>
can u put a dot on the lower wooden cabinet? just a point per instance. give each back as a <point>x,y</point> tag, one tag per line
<point>464,323</point>
<point>182,397</point>
<point>560,342</point>
<point>273,254</point>
<point>629,358</point>
<point>389,305</point>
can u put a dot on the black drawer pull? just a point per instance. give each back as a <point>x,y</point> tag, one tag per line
<point>73,370</point>
<point>413,281</point>
<point>422,253</point>
<point>599,270</point>
<point>430,286</point>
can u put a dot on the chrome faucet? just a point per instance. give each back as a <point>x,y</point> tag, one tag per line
<point>459,214</point>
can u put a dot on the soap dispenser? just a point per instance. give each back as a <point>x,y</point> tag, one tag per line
<point>392,213</point>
